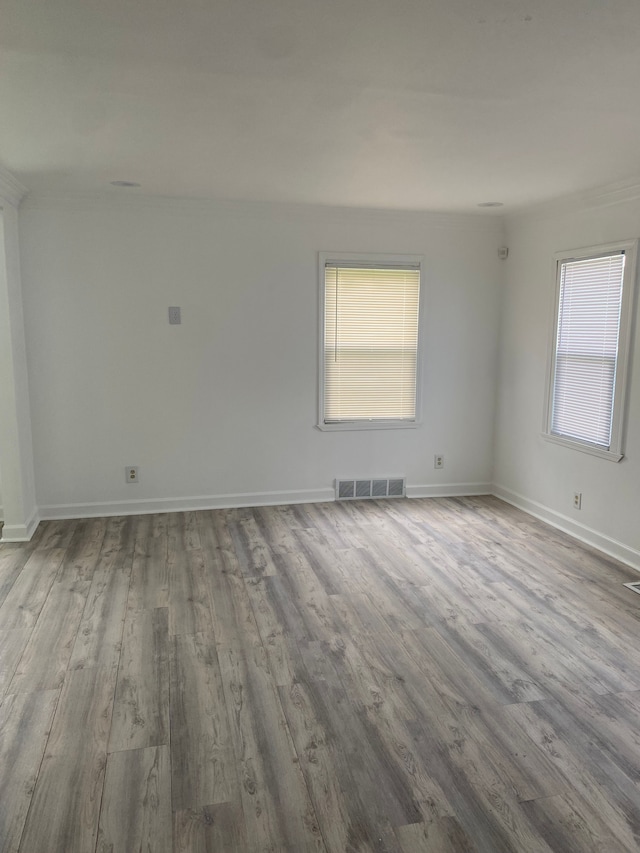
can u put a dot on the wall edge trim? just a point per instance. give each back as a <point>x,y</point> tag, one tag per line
<point>10,188</point>
<point>146,506</point>
<point>595,539</point>
<point>21,532</point>
<point>287,211</point>
<point>449,490</point>
<point>607,195</point>
<point>609,546</point>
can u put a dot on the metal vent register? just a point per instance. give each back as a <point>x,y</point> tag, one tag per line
<point>390,487</point>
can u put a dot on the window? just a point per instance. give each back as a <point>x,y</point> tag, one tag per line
<point>369,341</point>
<point>587,378</point>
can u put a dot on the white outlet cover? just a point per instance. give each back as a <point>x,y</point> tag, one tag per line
<point>128,471</point>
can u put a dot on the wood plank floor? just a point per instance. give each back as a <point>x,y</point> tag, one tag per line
<point>426,676</point>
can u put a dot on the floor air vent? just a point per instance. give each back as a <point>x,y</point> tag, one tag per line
<point>635,586</point>
<point>350,490</point>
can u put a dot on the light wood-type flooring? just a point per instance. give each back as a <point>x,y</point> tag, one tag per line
<point>426,676</point>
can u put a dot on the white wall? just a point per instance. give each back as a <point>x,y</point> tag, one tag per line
<point>226,403</point>
<point>538,475</point>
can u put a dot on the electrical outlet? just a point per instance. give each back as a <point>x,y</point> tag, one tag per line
<point>131,474</point>
<point>577,500</point>
<point>438,461</point>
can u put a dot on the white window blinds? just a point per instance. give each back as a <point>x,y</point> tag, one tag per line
<point>586,352</point>
<point>370,342</point>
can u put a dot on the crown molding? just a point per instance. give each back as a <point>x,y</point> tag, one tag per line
<point>10,188</point>
<point>608,195</point>
<point>258,209</point>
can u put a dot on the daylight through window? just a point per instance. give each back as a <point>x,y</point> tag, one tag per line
<point>370,343</point>
<point>590,346</point>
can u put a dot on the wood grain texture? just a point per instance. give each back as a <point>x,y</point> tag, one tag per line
<point>25,721</point>
<point>83,552</point>
<point>210,829</point>
<point>99,635</point>
<point>12,646</point>
<point>65,807</point>
<point>586,776</point>
<point>190,607</point>
<point>55,534</point>
<point>444,835</point>
<point>149,587</point>
<point>275,800</point>
<point>43,665</point>
<point>365,677</point>
<point>571,826</point>
<point>136,803</point>
<point>202,759</point>
<point>12,560</point>
<point>141,706</point>
<point>341,793</point>
<point>30,589</point>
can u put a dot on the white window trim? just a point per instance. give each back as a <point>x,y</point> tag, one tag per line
<point>368,258</point>
<point>615,452</point>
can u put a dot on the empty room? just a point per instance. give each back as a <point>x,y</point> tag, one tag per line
<point>319,426</point>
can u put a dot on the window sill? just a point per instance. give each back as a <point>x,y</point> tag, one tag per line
<point>583,447</point>
<point>356,425</point>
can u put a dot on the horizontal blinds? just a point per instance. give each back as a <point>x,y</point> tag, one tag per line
<point>587,348</point>
<point>370,342</point>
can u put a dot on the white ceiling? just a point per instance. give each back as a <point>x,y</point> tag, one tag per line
<point>416,104</point>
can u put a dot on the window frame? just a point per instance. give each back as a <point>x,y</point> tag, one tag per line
<point>370,259</point>
<point>615,451</point>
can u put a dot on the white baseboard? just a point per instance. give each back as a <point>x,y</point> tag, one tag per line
<point>618,550</point>
<point>153,505</point>
<point>585,534</point>
<point>449,490</point>
<point>21,532</point>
